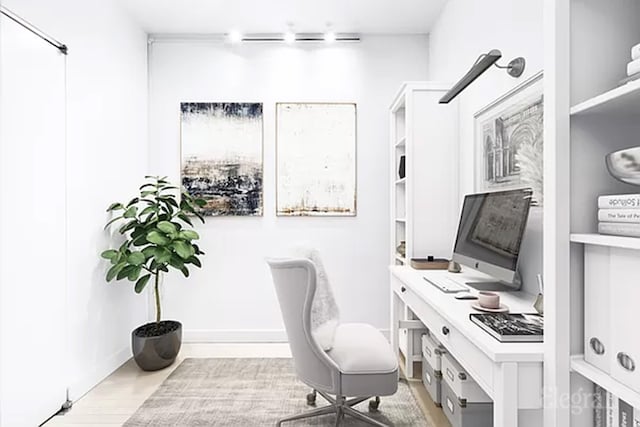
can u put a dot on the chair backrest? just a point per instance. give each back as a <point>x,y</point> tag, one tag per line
<point>295,282</point>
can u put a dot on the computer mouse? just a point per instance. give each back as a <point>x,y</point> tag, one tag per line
<point>465,295</point>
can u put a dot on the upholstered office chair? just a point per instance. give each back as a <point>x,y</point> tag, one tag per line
<point>360,364</point>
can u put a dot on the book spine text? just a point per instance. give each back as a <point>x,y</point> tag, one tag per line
<point>619,201</point>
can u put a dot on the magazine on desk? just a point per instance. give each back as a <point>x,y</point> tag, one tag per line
<point>507,327</point>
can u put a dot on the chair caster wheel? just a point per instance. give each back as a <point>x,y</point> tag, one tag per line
<point>374,404</point>
<point>311,399</point>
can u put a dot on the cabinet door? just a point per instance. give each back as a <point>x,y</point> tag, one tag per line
<point>33,228</point>
<point>597,292</point>
<point>625,297</point>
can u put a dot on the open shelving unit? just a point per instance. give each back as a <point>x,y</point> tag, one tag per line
<point>425,132</point>
<point>589,114</point>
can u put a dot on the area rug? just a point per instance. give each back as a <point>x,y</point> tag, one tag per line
<point>251,392</point>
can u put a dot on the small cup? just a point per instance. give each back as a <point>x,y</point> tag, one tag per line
<point>488,299</point>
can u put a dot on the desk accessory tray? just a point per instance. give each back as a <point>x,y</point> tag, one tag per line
<point>427,264</point>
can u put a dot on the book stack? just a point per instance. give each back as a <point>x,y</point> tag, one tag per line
<point>633,67</point>
<point>610,411</point>
<point>619,215</point>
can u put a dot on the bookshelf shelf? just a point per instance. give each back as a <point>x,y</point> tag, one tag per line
<point>401,259</point>
<point>606,240</point>
<point>401,181</point>
<point>401,220</point>
<point>401,142</point>
<point>580,366</point>
<point>623,100</point>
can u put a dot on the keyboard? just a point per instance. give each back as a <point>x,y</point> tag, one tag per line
<point>447,285</point>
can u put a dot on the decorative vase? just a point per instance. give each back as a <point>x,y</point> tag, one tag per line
<point>402,168</point>
<point>156,345</point>
<point>402,248</point>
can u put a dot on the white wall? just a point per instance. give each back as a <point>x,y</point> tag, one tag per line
<point>107,158</point>
<point>232,297</point>
<point>465,29</point>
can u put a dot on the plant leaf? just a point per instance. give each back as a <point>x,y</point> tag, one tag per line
<point>136,258</point>
<point>167,227</point>
<point>188,235</point>
<point>134,273</point>
<point>185,271</point>
<point>113,271</point>
<point>201,203</point>
<point>133,201</point>
<point>157,238</point>
<point>141,283</point>
<point>149,209</point>
<point>112,221</point>
<point>183,249</point>
<point>124,272</point>
<point>185,219</point>
<point>128,226</point>
<point>176,262</point>
<point>194,260</point>
<point>131,212</point>
<point>162,255</point>
<point>109,254</point>
<point>115,207</point>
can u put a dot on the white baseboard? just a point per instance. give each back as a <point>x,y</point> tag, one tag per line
<point>233,335</point>
<point>240,335</point>
<point>89,380</point>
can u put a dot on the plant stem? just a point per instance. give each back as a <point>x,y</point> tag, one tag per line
<point>157,295</point>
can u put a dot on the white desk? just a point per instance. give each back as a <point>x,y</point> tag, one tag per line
<point>510,373</point>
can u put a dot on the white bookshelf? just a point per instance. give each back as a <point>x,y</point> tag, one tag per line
<point>426,133</point>
<point>588,114</point>
<point>606,240</point>
<point>622,100</point>
<point>596,376</point>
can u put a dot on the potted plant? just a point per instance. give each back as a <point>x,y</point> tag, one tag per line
<point>158,235</point>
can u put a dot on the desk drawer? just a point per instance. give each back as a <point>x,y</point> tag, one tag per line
<point>471,357</point>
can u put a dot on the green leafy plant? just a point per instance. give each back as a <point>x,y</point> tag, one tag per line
<point>158,234</point>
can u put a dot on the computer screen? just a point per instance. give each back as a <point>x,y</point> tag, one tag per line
<point>490,232</point>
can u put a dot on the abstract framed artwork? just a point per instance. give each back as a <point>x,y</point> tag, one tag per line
<point>509,141</point>
<point>222,156</point>
<point>316,159</point>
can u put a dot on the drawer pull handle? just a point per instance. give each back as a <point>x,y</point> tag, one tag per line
<point>450,405</point>
<point>445,330</point>
<point>450,375</point>
<point>403,289</point>
<point>596,346</point>
<point>626,362</point>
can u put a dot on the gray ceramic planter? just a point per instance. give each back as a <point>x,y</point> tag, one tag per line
<point>152,353</point>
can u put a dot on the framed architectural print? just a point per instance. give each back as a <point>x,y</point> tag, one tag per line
<point>509,141</point>
<point>222,156</point>
<point>316,159</point>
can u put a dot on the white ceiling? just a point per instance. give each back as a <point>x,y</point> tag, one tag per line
<point>275,16</point>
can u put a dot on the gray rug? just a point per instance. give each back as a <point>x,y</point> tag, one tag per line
<point>251,392</point>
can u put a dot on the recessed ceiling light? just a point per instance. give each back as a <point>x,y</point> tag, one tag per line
<point>330,37</point>
<point>290,37</point>
<point>235,37</point>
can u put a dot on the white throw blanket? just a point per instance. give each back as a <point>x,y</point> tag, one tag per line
<point>325,315</point>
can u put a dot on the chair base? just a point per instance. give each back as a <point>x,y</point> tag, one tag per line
<point>340,406</point>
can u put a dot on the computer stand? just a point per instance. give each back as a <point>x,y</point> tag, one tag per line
<point>498,286</point>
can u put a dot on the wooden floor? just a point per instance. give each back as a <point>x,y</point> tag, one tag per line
<point>115,399</point>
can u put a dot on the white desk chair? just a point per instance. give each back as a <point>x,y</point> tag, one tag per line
<point>360,364</point>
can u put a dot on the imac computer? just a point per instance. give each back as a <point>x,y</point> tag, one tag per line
<point>490,235</point>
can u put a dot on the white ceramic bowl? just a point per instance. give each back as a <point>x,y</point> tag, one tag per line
<point>624,165</point>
